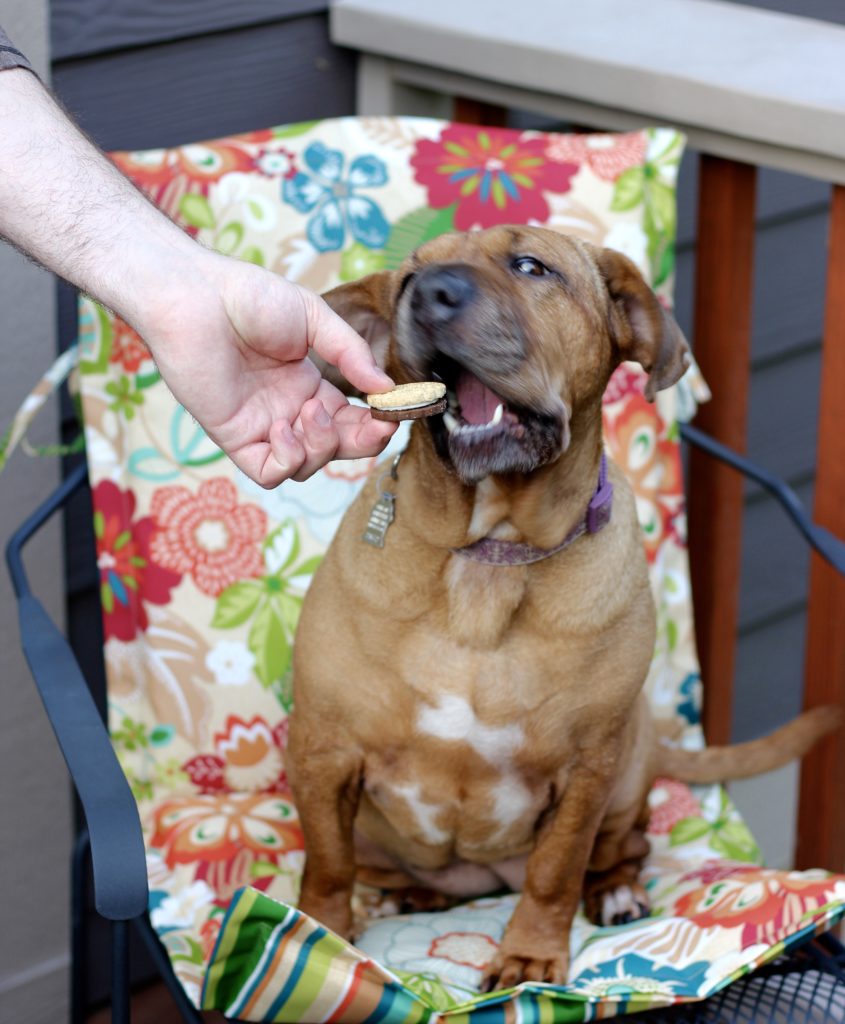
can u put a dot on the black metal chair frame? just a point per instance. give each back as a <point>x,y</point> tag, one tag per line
<point>112,838</point>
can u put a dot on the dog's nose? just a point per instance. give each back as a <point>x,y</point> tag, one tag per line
<point>442,292</point>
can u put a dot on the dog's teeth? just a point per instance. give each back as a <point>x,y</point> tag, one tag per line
<point>450,421</point>
<point>497,415</point>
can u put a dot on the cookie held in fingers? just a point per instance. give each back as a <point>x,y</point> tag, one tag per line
<point>409,401</point>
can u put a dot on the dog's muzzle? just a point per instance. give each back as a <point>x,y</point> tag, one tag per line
<point>450,328</point>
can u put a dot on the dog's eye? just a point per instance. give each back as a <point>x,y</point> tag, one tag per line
<point>529,265</point>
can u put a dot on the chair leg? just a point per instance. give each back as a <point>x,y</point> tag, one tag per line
<point>159,956</point>
<point>120,1007</point>
<point>79,928</point>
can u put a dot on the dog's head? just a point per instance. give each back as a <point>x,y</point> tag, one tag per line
<point>524,326</point>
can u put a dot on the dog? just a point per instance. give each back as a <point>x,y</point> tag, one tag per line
<point>463,726</point>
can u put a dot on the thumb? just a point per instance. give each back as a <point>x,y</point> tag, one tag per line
<point>333,339</point>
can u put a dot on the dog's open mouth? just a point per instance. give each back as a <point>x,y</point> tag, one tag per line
<point>481,432</point>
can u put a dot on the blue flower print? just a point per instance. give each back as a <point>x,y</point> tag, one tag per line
<point>632,975</point>
<point>690,693</point>
<point>334,203</point>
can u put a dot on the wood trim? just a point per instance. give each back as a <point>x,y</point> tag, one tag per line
<point>722,345</point>
<point>469,111</point>
<point>821,810</point>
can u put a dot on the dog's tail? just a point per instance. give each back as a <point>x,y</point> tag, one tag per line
<point>741,760</point>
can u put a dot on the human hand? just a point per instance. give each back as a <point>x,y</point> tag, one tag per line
<point>231,340</point>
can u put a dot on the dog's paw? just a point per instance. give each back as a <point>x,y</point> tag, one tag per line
<point>617,904</point>
<point>506,970</point>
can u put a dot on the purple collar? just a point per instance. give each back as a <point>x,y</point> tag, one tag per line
<point>505,552</point>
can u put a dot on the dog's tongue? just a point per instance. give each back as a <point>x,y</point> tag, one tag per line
<point>477,401</point>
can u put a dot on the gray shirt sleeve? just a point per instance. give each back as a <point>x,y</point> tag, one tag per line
<point>10,56</point>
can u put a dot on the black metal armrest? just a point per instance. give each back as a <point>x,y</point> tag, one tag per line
<point>117,844</point>
<point>820,539</point>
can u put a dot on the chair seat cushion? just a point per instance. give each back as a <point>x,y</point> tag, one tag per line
<point>224,870</point>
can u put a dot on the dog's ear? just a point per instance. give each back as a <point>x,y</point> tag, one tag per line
<point>366,305</point>
<point>642,329</point>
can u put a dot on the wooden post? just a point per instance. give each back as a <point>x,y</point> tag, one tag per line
<point>821,810</point>
<point>469,111</point>
<point>722,345</point>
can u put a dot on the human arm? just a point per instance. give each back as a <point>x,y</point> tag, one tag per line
<point>230,339</point>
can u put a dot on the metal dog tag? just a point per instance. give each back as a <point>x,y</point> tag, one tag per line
<point>381,517</point>
<point>384,510</point>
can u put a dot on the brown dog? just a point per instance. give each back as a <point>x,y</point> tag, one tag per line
<point>461,725</point>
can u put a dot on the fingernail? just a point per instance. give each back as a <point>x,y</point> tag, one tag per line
<point>288,435</point>
<point>383,376</point>
<point>322,418</point>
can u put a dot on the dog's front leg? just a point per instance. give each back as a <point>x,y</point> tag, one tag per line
<point>327,788</point>
<point>535,946</point>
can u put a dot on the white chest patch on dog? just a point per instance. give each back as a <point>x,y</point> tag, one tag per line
<point>454,719</point>
<point>511,800</point>
<point>423,812</point>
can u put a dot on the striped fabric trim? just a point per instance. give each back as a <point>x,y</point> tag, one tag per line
<point>274,964</point>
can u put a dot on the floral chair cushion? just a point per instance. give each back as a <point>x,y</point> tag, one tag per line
<point>202,575</point>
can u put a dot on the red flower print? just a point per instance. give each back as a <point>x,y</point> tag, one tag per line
<point>766,904</point>
<point>208,534</point>
<point>130,577</point>
<point>247,757</point>
<point>606,155</point>
<point>277,162</point>
<point>670,802</point>
<point>495,175</point>
<point>127,347</point>
<point>626,379</point>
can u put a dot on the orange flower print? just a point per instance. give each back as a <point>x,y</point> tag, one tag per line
<point>652,464</point>
<point>247,757</point>
<point>608,156</point>
<point>766,904</point>
<point>166,175</point>
<point>208,534</point>
<point>226,835</point>
<point>127,347</point>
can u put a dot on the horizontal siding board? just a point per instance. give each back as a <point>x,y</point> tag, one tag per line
<point>783,416</point>
<point>81,28</point>
<point>769,674</point>
<point>219,84</point>
<point>779,196</point>
<point>775,562</point>
<point>789,285</point>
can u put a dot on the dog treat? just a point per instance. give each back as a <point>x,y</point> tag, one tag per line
<point>409,401</point>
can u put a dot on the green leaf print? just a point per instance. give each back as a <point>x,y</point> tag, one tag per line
<point>288,131</point>
<point>229,238</point>
<point>628,191</point>
<point>236,603</point>
<point>415,228</point>
<point>196,210</point>
<point>360,260</point>
<point>687,830</point>
<point>734,841</point>
<point>252,254</point>
<point>269,644</point>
